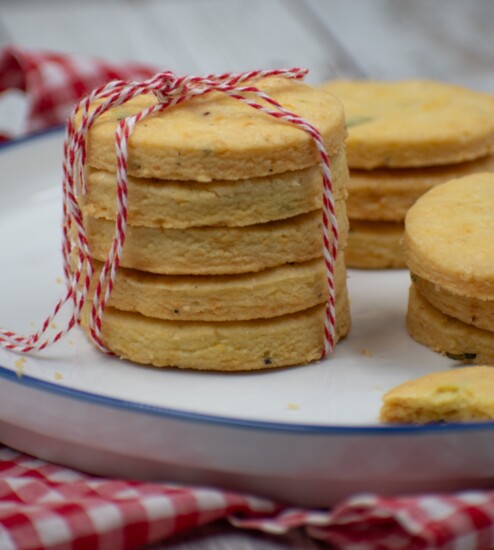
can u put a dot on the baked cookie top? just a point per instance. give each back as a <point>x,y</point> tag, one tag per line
<point>414,123</point>
<point>458,395</point>
<point>448,236</point>
<point>217,137</point>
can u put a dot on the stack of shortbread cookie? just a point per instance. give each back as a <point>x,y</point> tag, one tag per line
<point>222,264</point>
<point>450,252</point>
<point>405,138</point>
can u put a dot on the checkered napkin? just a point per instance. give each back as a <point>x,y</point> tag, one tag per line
<point>53,82</point>
<point>45,506</point>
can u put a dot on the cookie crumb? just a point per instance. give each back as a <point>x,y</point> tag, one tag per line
<point>293,407</point>
<point>58,280</point>
<point>366,353</point>
<point>58,376</point>
<point>19,366</point>
<point>53,326</point>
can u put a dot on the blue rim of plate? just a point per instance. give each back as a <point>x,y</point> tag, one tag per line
<point>175,414</point>
<point>31,137</point>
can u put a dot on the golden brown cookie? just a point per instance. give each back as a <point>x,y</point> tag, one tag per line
<point>387,194</point>
<point>458,395</point>
<point>293,339</point>
<point>215,250</point>
<point>447,335</point>
<point>448,238</point>
<point>414,123</point>
<point>273,292</point>
<point>468,309</point>
<point>216,137</point>
<point>172,204</point>
<point>374,245</point>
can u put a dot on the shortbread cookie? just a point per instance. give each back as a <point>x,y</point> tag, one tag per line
<point>447,335</point>
<point>414,123</point>
<point>387,194</point>
<point>374,245</point>
<point>458,395</point>
<point>159,203</point>
<point>273,292</point>
<point>448,238</point>
<point>293,339</point>
<point>215,250</point>
<point>216,137</point>
<point>468,309</point>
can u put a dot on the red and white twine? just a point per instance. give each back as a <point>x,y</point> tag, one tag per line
<point>170,90</point>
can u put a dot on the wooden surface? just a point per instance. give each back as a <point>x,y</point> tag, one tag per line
<point>450,40</point>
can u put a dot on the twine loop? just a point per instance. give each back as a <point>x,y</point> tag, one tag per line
<point>169,90</point>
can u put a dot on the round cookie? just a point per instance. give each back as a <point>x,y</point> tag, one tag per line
<point>374,245</point>
<point>215,250</point>
<point>216,137</point>
<point>458,395</point>
<point>287,340</point>
<point>387,194</point>
<point>273,292</point>
<point>468,309</point>
<point>447,335</point>
<point>448,236</point>
<point>414,123</point>
<point>160,203</point>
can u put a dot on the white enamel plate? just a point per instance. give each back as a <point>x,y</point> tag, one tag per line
<point>308,435</point>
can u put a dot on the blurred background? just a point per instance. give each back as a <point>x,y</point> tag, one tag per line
<point>442,39</point>
<point>448,40</point>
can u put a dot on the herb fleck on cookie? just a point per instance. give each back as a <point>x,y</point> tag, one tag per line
<point>358,120</point>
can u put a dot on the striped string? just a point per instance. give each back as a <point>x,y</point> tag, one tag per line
<point>170,90</point>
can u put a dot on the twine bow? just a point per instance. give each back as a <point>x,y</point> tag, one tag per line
<point>170,90</point>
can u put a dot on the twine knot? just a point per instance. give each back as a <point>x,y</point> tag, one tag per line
<point>169,84</point>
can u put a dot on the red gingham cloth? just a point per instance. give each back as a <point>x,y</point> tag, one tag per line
<point>44,506</point>
<point>54,82</point>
